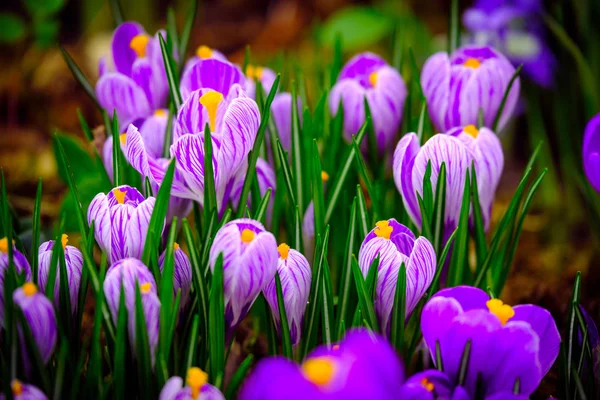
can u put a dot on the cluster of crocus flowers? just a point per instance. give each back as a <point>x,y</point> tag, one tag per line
<point>295,275</point>
<point>395,245</point>
<point>196,387</point>
<point>470,81</point>
<point>362,365</point>
<point>121,220</point>
<point>368,76</point>
<point>182,278</point>
<point>137,86</point>
<point>591,152</point>
<point>24,391</point>
<point>21,266</point>
<point>249,263</point>
<point>510,348</point>
<point>73,264</point>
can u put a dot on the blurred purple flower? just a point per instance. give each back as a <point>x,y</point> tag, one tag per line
<point>396,244</point>
<point>183,273</point>
<point>256,73</point>
<point>24,391</point>
<point>203,53</point>
<point>249,263</point>
<point>197,387</point>
<point>21,265</point>
<point>73,263</point>
<point>471,79</point>
<point>363,365</point>
<point>296,276</point>
<point>368,76</point>
<point>121,221</point>
<point>138,85</point>
<point>281,110</point>
<point>591,152</point>
<point>507,343</point>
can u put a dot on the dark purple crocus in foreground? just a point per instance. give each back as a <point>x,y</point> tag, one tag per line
<point>363,365</point>
<point>591,152</point>
<point>459,85</point>
<point>21,265</point>
<point>508,344</point>
<point>24,391</point>
<point>196,387</point>
<point>368,76</point>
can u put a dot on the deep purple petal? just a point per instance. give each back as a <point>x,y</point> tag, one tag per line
<point>469,298</point>
<point>591,152</point>
<point>123,55</point>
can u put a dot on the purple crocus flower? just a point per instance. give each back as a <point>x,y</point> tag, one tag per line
<point>281,110</point>
<point>266,180</point>
<point>507,343</point>
<point>21,265</point>
<point>121,221</point>
<point>216,74</point>
<point>363,365</point>
<point>24,391</point>
<point>396,244</point>
<point>296,276</point>
<point>458,150</point>
<point>471,79</point>
<point>257,73</point>
<point>368,76</point>
<point>591,152</point>
<point>196,387</point>
<point>73,263</point>
<point>138,85</point>
<point>203,53</point>
<point>183,273</point>
<point>249,263</point>
<point>39,314</point>
<point>129,272</point>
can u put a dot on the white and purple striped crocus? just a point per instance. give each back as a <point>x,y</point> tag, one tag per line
<point>471,79</point>
<point>21,265</point>
<point>368,76</point>
<point>395,244</point>
<point>24,391</point>
<point>458,149</point>
<point>121,220</point>
<point>132,272</point>
<point>257,73</point>
<point>196,387</point>
<point>137,86</point>
<point>39,314</point>
<point>182,273</point>
<point>249,263</point>
<point>295,275</point>
<point>73,263</point>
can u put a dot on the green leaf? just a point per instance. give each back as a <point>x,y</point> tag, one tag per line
<point>399,311</point>
<point>35,228</point>
<point>40,8</point>
<point>117,12</point>
<point>120,347</point>
<point>362,170</point>
<point>358,26</point>
<point>506,93</point>
<point>440,265</point>
<point>238,377</point>
<point>464,363</point>
<point>82,163</point>
<point>296,149</point>
<point>364,220</point>
<point>336,65</point>
<point>298,239</point>
<point>286,341</point>
<point>166,294</point>
<point>172,77</point>
<point>172,37</point>
<point>287,174</point>
<point>440,209</point>
<point>478,226</point>
<point>12,29</point>
<point>57,254</point>
<point>317,184</point>
<point>371,280</point>
<point>94,366</point>
<point>327,312</point>
<point>454,27</point>
<point>216,318</point>
<point>66,315</point>
<point>187,29</point>
<point>118,159</point>
<point>79,76</point>
<point>190,354</point>
<point>210,194</point>
<point>459,263</point>
<point>364,299</point>
<point>261,210</point>
<point>346,272</point>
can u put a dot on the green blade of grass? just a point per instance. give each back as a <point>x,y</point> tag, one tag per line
<point>454,26</point>
<point>119,370</point>
<point>117,12</point>
<point>478,226</point>
<point>286,341</point>
<point>79,76</point>
<point>166,294</point>
<point>362,169</point>
<point>439,209</point>
<point>296,149</point>
<point>317,185</point>
<point>238,377</point>
<point>327,311</point>
<point>364,221</point>
<point>364,299</point>
<point>172,78</point>
<point>117,156</point>
<point>506,93</point>
<point>190,354</point>
<point>261,210</point>
<point>210,194</point>
<point>287,174</point>
<point>187,29</point>
<point>35,228</point>
<point>216,334</point>
<point>459,263</point>
<point>346,272</point>
<point>399,311</point>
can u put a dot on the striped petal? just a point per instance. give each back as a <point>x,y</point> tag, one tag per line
<point>420,271</point>
<point>351,95</point>
<point>99,213</point>
<point>119,218</point>
<point>435,81</point>
<point>192,117</point>
<point>137,228</point>
<point>404,158</point>
<point>118,92</point>
<point>211,74</point>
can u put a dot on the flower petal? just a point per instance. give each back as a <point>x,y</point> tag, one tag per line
<point>420,271</point>
<point>137,228</point>
<point>404,158</point>
<point>118,92</point>
<point>435,81</point>
<point>211,74</point>
<point>352,97</point>
<point>123,55</point>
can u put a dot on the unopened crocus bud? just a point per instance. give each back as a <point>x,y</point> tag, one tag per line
<point>196,387</point>
<point>183,273</point>
<point>396,244</point>
<point>249,263</point>
<point>295,275</point>
<point>74,264</point>
<point>39,314</point>
<point>21,265</point>
<point>23,391</point>
<point>121,220</point>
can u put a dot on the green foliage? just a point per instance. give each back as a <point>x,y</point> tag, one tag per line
<point>358,26</point>
<point>12,28</point>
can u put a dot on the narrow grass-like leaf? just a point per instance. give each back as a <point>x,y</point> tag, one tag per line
<point>190,354</point>
<point>263,206</point>
<point>172,78</point>
<point>317,184</point>
<point>94,366</point>
<point>399,311</point>
<point>117,157</point>
<point>506,93</point>
<point>166,294</point>
<point>364,299</point>
<point>336,64</point>
<point>464,363</point>
<point>371,280</point>
<point>61,366</point>
<point>287,174</point>
<point>298,238</point>
<point>440,265</point>
<point>439,210</point>
<point>119,370</point>
<point>459,263</point>
<point>421,125</point>
<point>425,223</point>
<point>238,377</point>
<point>172,36</point>
<point>79,76</point>
<point>346,273</point>
<point>364,221</point>
<point>454,27</point>
<point>478,226</point>
<point>66,317</point>
<point>284,328</point>
<point>362,170</point>
<point>296,150</point>
<point>54,260</point>
<point>327,311</point>
<point>187,29</point>
<point>439,363</point>
<point>89,135</point>
<point>216,318</point>
<point>35,228</point>
<point>210,194</point>
<point>117,12</point>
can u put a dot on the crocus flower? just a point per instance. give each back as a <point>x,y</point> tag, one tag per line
<point>121,220</point>
<point>73,263</point>
<point>295,275</point>
<point>471,79</point>
<point>266,180</point>
<point>183,273</point>
<point>138,85</point>
<point>39,314</point>
<point>506,343</point>
<point>249,264</point>
<point>591,152</point>
<point>458,150</point>
<point>212,73</point>
<point>203,52</point>
<point>24,391</point>
<point>196,387</point>
<point>257,73</point>
<point>368,76</point>
<point>363,365</point>
<point>131,272</point>
<point>396,244</point>
<point>21,265</point>
<point>281,110</point>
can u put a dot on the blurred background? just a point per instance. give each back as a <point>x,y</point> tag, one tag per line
<point>39,96</point>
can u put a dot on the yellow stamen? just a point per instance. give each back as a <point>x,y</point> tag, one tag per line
<point>472,63</point>
<point>138,44</point>
<point>211,101</point>
<point>145,287</point>
<point>254,72</point>
<point>29,289</point>
<point>119,195</point>
<point>64,240</point>
<point>4,245</point>
<point>284,251</point>
<point>175,246</point>
<point>427,384</point>
<point>160,113</point>
<point>383,230</point>
<point>247,235</point>
<point>204,52</point>
<point>17,387</point>
<point>504,312</point>
<point>373,78</point>
<point>471,130</point>
<point>123,138</point>
<point>195,379</point>
<point>324,176</point>
<point>318,370</point>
